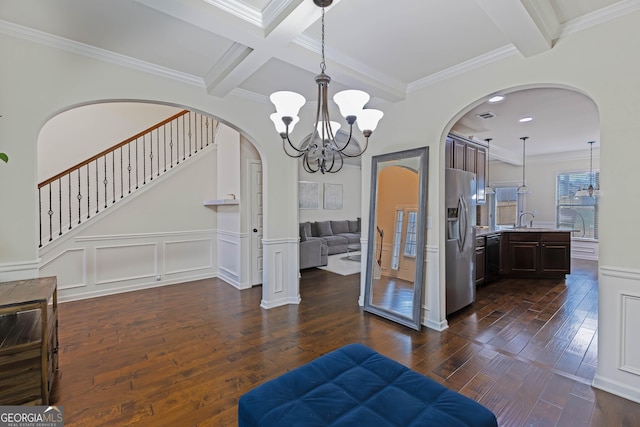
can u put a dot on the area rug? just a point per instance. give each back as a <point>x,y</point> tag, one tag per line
<point>339,264</point>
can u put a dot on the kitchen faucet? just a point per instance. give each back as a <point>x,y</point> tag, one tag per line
<point>523,214</point>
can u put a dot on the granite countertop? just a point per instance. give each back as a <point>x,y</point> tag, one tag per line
<point>484,231</point>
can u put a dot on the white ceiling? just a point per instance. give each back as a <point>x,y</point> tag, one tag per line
<point>254,47</point>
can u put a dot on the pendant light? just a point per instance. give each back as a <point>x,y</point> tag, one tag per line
<point>589,192</point>
<point>488,188</point>
<point>523,189</point>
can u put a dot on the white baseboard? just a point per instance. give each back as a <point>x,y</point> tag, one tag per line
<point>616,388</point>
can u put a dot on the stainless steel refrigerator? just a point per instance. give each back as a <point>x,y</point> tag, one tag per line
<point>460,205</point>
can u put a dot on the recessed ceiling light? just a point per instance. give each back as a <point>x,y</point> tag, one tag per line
<point>525,119</point>
<point>496,98</point>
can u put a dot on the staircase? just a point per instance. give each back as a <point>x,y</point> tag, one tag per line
<point>80,193</point>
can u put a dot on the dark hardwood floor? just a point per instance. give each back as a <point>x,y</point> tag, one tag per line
<point>182,355</point>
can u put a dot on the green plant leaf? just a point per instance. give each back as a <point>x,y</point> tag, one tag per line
<point>4,157</point>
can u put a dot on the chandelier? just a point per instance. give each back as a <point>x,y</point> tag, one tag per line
<point>321,151</point>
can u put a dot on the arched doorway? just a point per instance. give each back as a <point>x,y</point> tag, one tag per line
<point>173,228</point>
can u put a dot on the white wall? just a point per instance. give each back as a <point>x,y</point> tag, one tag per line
<point>37,81</point>
<point>350,178</point>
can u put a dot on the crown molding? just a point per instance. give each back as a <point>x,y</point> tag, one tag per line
<point>463,67</point>
<point>241,10</point>
<point>598,17</point>
<point>62,43</point>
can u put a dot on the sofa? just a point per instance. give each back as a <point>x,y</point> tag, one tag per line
<point>331,237</point>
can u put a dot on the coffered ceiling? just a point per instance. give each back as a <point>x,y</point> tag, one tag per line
<point>254,47</point>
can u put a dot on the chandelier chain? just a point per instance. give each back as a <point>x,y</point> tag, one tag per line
<point>323,66</point>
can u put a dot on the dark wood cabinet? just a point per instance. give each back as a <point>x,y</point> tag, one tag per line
<point>469,156</point>
<point>555,253</point>
<point>459,154</point>
<point>537,254</point>
<point>481,171</point>
<point>470,152</point>
<point>480,260</point>
<point>448,153</point>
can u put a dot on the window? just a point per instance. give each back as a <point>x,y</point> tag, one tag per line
<point>397,238</point>
<point>506,206</point>
<point>410,240</point>
<point>575,210</point>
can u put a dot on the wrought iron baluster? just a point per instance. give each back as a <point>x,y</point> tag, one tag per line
<point>129,166</point>
<point>121,175</point>
<point>70,208</point>
<point>88,191</point>
<point>40,214</point>
<point>164,145</point>
<point>144,161</point>
<point>158,149</point>
<point>151,155</point>
<point>60,206</point>
<point>113,176</point>
<point>190,133</point>
<point>105,181</point>
<point>50,213</point>
<point>171,144</point>
<point>137,179</point>
<point>97,188</point>
<point>206,126</point>
<point>79,197</point>
<point>184,150</point>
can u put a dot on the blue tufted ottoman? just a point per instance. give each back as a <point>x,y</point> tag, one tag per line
<point>356,386</point>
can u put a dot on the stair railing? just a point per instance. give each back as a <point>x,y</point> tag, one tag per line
<point>86,189</point>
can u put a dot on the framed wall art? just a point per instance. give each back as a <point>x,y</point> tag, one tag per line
<point>308,195</point>
<point>332,196</point>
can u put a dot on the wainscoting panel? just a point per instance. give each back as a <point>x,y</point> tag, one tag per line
<point>229,257</point>
<point>93,266</point>
<point>630,320</point>
<point>188,255</point>
<point>68,278</point>
<point>433,315</point>
<point>618,339</point>
<point>121,263</point>
<point>281,274</point>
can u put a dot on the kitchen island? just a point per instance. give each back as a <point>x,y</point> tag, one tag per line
<point>535,253</point>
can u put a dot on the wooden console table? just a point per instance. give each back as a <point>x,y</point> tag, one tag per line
<point>28,340</point>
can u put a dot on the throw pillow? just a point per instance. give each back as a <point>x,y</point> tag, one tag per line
<point>307,228</point>
<point>338,227</point>
<point>303,233</point>
<point>324,228</point>
<point>353,226</point>
<point>359,224</point>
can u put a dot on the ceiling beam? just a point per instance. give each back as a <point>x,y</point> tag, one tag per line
<point>530,25</point>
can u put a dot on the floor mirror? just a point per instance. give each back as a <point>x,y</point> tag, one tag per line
<point>397,236</point>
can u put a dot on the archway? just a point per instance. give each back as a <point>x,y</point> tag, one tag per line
<point>165,228</point>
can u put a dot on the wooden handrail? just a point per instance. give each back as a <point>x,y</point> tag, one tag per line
<point>109,150</point>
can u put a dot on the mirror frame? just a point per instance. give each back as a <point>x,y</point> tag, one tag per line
<point>422,154</point>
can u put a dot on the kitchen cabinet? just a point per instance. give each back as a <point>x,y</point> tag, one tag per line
<point>492,254</point>
<point>466,155</point>
<point>459,154</point>
<point>480,260</point>
<point>481,174</point>
<point>28,341</point>
<point>536,254</point>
